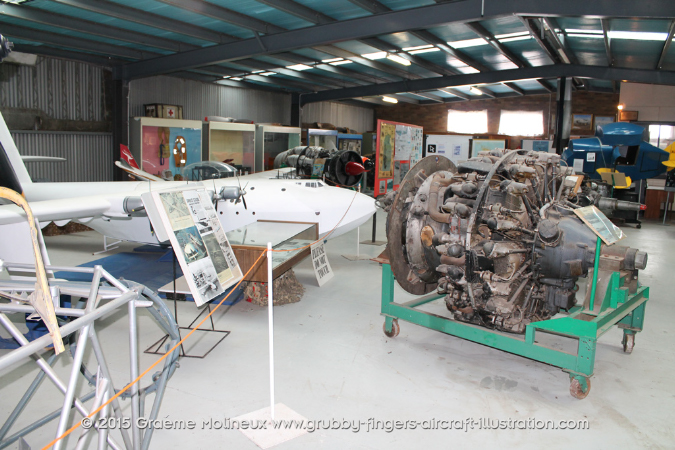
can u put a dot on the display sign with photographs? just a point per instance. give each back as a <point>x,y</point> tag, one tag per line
<point>200,244</point>
<point>600,224</point>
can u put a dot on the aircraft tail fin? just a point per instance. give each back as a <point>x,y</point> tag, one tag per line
<point>126,156</point>
<point>13,173</point>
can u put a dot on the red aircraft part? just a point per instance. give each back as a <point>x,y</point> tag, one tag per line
<point>353,168</point>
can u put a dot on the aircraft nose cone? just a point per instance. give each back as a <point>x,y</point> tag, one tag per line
<point>354,168</point>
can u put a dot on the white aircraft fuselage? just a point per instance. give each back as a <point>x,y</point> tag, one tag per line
<point>101,205</point>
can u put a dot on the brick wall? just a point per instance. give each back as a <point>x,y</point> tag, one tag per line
<point>434,117</point>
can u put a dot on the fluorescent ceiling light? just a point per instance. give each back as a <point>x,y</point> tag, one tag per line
<point>510,35</point>
<point>339,63</point>
<point>576,30</point>
<point>331,60</point>
<point>236,78</point>
<point>468,43</point>
<point>516,38</point>
<point>266,74</point>
<point>638,35</point>
<point>398,59</point>
<point>389,99</point>
<point>225,78</point>
<point>419,47</point>
<point>425,50</point>
<point>475,90</point>
<point>258,71</point>
<point>587,36</point>
<point>299,67</point>
<point>377,55</point>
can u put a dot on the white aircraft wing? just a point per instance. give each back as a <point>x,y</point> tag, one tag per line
<point>57,210</point>
<point>269,174</point>
<point>29,158</point>
<point>137,173</point>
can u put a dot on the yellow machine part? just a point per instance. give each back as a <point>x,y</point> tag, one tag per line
<point>671,160</point>
<point>607,170</point>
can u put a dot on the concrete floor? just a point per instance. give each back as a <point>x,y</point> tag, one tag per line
<point>334,362</point>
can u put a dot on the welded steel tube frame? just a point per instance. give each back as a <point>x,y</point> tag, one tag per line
<point>84,324</point>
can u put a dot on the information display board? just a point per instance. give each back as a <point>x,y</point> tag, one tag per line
<point>199,242</point>
<point>454,147</point>
<point>399,147</point>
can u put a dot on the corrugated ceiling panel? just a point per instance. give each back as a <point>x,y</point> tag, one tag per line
<point>203,99</point>
<point>112,21</point>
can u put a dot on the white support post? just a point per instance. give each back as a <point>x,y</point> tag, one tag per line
<point>270,313</point>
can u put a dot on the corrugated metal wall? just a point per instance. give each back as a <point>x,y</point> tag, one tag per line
<point>203,99</point>
<point>340,115</point>
<point>89,156</point>
<point>63,89</point>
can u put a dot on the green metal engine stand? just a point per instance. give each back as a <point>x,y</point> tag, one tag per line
<point>618,307</point>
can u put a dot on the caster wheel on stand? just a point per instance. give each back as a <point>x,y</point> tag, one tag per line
<point>395,329</point>
<point>628,343</point>
<point>577,387</point>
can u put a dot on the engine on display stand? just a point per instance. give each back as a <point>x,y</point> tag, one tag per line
<point>497,235</point>
<point>341,167</point>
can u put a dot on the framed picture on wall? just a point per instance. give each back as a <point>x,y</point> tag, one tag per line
<point>604,120</point>
<point>627,116</point>
<point>582,121</point>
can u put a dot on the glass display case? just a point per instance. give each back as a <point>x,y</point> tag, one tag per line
<point>350,142</point>
<point>247,243</point>
<point>322,138</point>
<point>270,140</point>
<point>161,145</point>
<point>230,143</point>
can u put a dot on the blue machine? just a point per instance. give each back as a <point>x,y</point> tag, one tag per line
<point>619,146</point>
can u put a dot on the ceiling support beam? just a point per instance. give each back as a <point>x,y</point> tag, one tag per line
<point>545,85</point>
<point>608,43</point>
<point>666,46</point>
<point>455,92</point>
<point>480,30</point>
<point>393,22</point>
<point>514,88</point>
<point>432,39</point>
<point>548,71</point>
<point>428,96</point>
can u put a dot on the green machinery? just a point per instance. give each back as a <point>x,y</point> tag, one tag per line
<point>619,300</point>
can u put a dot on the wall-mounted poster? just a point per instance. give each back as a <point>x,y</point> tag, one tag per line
<point>386,150</point>
<point>480,145</point>
<point>453,147</point>
<point>396,142</point>
<point>417,139</point>
<point>582,122</point>
<point>604,120</point>
<point>198,240</point>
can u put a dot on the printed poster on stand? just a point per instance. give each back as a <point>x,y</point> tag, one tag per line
<point>199,242</point>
